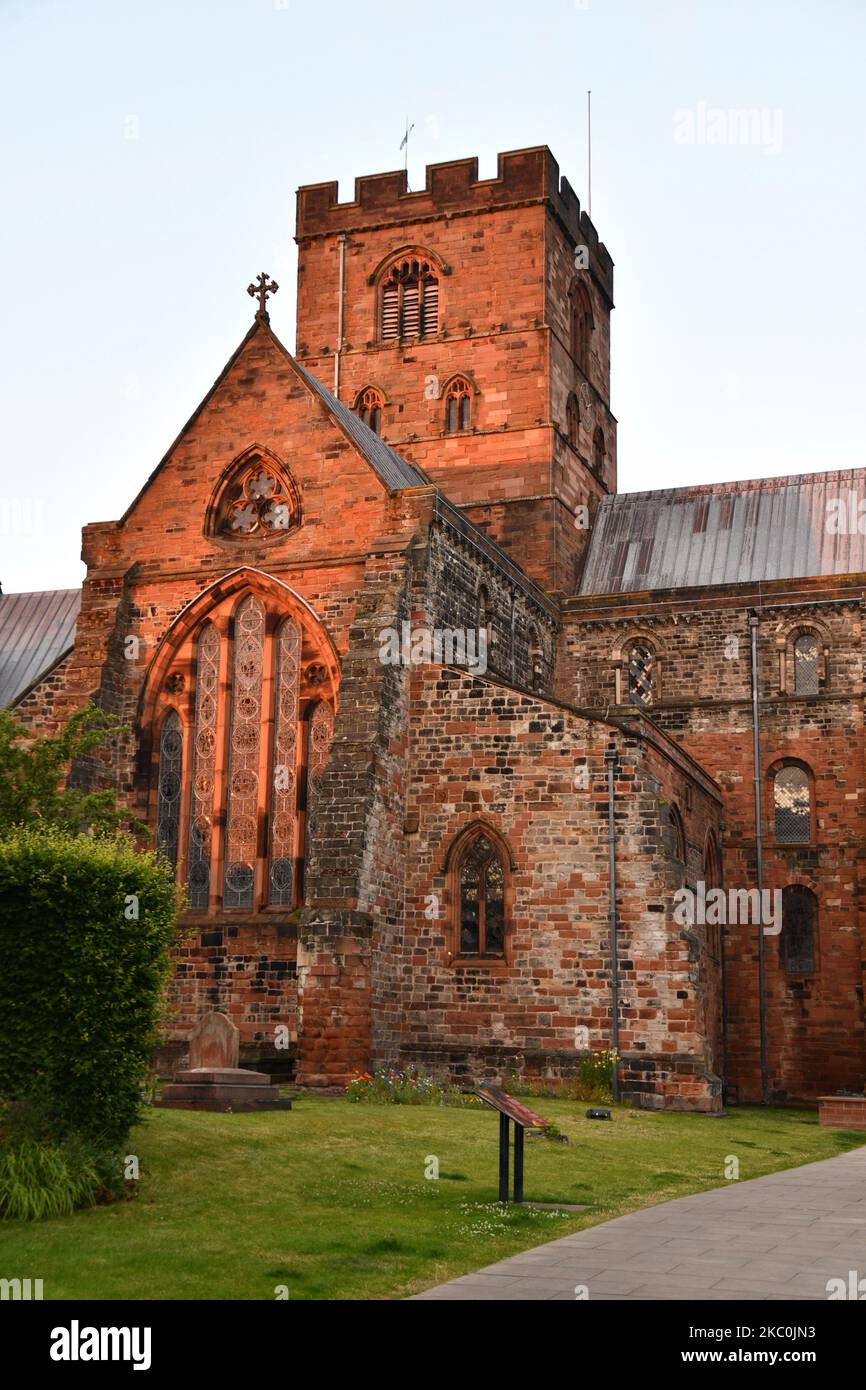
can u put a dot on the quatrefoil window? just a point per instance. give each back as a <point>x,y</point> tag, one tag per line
<point>257,501</point>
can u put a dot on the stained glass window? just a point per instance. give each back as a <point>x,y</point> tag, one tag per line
<point>793,806</point>
<point>246,722</point>
<point>204,764</point>
<point>257,505</point>
<point>284,805</point>
<point>169,788</point>
<point>482,899</point>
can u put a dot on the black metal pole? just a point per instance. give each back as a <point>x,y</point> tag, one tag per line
<point>518,1162</point>
<point>503,1157</point>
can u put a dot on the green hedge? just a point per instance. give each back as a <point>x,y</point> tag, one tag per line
<point>81,977</point>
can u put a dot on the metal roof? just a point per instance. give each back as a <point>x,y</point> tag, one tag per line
<point>35,631</point>
<point>394,471</point>
<point>729,533</point>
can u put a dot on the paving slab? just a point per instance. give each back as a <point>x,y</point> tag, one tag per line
<point>775,1238</point>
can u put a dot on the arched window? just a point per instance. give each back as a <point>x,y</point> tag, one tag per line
<point>536,659</point>
<point>409,300</point>
<point>678,833</point>
<point>369,405</point>
<point>256,500</point>
<point>793,805</point>
<point>799,915</point>
<point>480,881</point>
<point>599,451</point>
<point>806,657</point>
<point>572,412</point>
<point>458,405</point>
<point>237,838</point>
<point>169,787</point>
<point>640,674</point>
<point>581,326</point>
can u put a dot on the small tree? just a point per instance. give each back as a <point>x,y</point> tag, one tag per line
<point>33,774</point>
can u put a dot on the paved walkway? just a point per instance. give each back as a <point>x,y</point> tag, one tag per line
<point>777,1237</point>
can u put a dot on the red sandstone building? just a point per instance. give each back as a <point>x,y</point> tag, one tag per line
<point>425,861</point>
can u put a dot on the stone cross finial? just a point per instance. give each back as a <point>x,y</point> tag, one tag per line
<point>260,289</point>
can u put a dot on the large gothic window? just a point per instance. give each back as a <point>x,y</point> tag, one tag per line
<point>793,805</point>
<point>237,837</point>
<point>480,896</point>
<point>409,300</point>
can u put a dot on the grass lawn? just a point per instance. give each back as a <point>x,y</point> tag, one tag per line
<point>330,1199</point>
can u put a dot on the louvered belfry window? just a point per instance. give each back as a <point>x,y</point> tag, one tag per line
<point>410,300</point>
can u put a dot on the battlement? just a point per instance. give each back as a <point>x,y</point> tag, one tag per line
<point>452,188</point>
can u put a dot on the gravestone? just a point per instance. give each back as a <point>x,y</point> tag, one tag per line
<point>214,1043</point>
<point>213,1079</point>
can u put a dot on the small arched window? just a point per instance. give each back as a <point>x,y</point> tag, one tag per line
<point>369,406</point>
<point>598,450</point>
<point>581,326</point>
<point>806,655</point>
<point>409,300</point>
<point>792,802</point>
<point>572,412</point>
<point>536,659</point>
<point>799,916</point>
<point>678,832</point>
<point>481,882</point>
<point>640,674</point>
<point>458,405</point>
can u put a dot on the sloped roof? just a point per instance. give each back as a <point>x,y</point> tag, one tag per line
<point>728,533</point>
<point>36,630</point>
<point>394,471</point>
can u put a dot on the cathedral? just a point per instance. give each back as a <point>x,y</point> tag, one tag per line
<point>461,755</point>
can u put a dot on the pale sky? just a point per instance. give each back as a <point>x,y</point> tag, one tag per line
<point>151,154</point>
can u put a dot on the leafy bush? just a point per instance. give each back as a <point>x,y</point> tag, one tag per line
<point>33,786</point>
<point>85,926</point>
<point>389,1087</point>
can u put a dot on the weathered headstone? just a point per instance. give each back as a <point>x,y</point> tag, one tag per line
<point>213,1079</point>
<point>214,1043</point>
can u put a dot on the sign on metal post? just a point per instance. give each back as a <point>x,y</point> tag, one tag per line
<point>510,1111</point>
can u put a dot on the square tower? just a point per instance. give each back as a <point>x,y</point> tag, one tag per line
<point>469,324</point>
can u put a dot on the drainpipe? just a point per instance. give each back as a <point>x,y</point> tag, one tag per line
<point>610,764</point>
<point>341,242</point>
<point>759,859</point>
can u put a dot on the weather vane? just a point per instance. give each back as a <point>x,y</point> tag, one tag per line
<point>260,289</point>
